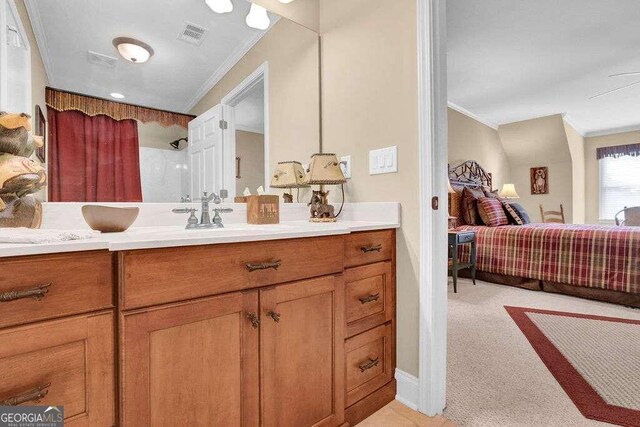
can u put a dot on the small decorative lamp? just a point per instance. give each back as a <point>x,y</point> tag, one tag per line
<point>509,192</point>
<point>452,219</point>
<point>324,169</point>
<point>289,175</point>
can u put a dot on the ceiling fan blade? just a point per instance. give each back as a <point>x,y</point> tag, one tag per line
<point>632,73</point>
<point>615,90</point>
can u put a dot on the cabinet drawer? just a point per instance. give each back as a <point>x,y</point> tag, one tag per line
<point>466,237</point>
<point>66,362</point>
<point>370,296</point>
<point>43,287</point>
<point>159,276</point>
<point>369,247</point>
<point>369,362</point>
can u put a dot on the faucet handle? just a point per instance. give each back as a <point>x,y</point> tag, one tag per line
<point>184,210</point>
<point>224,193</point>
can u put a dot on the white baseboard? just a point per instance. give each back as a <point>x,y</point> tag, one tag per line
<point>408,391</point>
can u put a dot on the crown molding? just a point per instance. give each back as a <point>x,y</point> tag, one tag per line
<point>611,131</point>
<point>226,66</point>
<point>41,38</point>
<point>471,115</point>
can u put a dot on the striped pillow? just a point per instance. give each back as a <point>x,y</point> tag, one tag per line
<point>492,212</point>
<point>516,213</point>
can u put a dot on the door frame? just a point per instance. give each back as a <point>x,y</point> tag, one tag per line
<point>432,141</point>
<point>260,74</point>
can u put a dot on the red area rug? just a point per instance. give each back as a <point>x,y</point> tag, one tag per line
<point>595,360</point>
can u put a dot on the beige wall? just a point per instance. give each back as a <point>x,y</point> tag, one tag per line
<point>39,79</point>
<point>577,148</point>
<point>250,149</point>
<point>304,12</point>
<point>294,90</point>
<point>592,170</point>
<point>369,81</point>
<point>469,139</point>
<point>540,142</point>
<point>154,135</point>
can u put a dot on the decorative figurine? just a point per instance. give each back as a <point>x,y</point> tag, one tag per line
<point>20,177</point>
<point>321,210</point>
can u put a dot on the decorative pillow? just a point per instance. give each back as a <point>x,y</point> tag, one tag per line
<point>491,194</point>
<point>470,198</point>
<point>492,212</point>
<point>516,213</point>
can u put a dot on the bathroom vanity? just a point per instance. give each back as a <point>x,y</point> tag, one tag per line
<point>271,331</point>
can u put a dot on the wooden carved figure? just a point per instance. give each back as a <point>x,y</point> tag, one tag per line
<point>20,177</point>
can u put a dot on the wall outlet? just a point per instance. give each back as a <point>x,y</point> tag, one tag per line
<point>384,160</point>
<point>345,165</point>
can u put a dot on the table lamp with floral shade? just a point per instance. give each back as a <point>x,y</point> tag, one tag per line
<point>324,169</point>
<point>289,174</point>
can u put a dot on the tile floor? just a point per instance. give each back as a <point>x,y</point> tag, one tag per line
<point>395,414</point>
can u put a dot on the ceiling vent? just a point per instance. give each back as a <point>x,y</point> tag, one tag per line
<point>192,33</point>
<point>101,59</point>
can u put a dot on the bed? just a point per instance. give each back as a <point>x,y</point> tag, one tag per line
<point>590,261</point>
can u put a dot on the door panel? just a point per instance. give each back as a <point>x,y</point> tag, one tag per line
<point>71,360</point>
<point>205,152</point>
<point>193,363</point>
<point>302,353</point>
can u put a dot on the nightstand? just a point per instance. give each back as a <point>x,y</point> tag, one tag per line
<point>457,238</point>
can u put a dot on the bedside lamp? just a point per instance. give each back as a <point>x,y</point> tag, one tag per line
<point>289,175</point>
<point>509,192</point>
<point>452,219</point>
<point>324,169</point>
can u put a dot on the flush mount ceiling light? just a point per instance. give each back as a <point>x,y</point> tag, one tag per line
<point>116,95</point>
<point>285,1</point>
<point>258,18</point>
<point>220,6</point>
<point>133,50</point>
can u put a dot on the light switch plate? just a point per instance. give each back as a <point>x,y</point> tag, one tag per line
<point>345,165</point>
<point>384,160</point>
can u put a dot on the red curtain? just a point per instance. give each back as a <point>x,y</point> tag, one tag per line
<point>92,159</point>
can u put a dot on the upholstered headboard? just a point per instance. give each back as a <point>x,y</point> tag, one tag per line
<point>468,174</point>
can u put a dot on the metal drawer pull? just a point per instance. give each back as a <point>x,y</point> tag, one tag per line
<point>376,248</point>
<point>369,298</point>
<point>255,321</point>
<point>275,316</point>
<point>36,293</point>
<point>264,265</point>
<point>35,395</point>
<point>370,364</point>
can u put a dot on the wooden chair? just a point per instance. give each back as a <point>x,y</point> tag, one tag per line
<point>631,217</point>
<point>552,216</point>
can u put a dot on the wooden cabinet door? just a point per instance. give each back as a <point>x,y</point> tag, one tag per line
<point>302,353</point>
<point>68,362</point>
<point>193,363</point>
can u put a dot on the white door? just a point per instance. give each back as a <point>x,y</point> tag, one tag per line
<point>212,152</point>
<point>15,62</point>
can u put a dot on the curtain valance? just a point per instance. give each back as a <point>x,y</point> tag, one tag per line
<point>66,101</point>
<point>618,151</point>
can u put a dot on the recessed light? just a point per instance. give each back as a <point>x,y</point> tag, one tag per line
<point>220,6</point>
<point>133,50</point>
<point>116,95</point>
<point>257,17</point>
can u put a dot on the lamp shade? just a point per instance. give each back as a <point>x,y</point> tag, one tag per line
<point>324,169</point>
<point>288,175</point>
<point>509,192</point>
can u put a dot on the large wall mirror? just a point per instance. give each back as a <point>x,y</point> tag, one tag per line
<point>146,101</point>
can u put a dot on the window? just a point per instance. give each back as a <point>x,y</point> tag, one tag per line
<point>619,184</point>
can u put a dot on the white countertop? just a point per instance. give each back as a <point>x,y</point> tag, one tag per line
<point>172,236</point>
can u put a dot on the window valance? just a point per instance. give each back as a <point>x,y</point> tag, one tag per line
<point>618,151</point>
<point>61,100</point>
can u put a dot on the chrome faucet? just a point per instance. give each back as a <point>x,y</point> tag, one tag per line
<point>205,218</point>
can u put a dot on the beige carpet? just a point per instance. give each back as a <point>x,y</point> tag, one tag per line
<point>495,378</point>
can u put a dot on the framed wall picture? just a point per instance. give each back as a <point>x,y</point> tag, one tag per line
<point>540,180</point>
<point>41,130</point>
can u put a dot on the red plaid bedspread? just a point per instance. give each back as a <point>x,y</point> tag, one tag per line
<point>593,256</point>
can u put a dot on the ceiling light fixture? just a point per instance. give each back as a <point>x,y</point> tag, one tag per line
<point>133,50</point>
<point>220,6</point>
<point>116,95</point>
<point>285,1</point>
<point>258,18</point>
